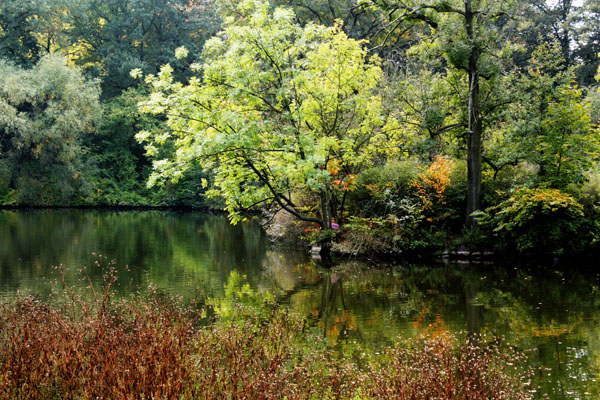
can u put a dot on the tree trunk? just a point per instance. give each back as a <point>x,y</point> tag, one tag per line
<point>475,126</point>
<point>565,9</point>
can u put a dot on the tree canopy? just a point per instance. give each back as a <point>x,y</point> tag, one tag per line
<point>276,109</point>
<point>405,117</point>
<point>45,112</point>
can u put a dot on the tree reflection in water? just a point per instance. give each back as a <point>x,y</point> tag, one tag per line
<point>554,313</point>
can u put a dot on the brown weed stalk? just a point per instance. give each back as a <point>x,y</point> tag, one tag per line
<point>268,361</point>
<point>149,347</point>
<point>444,368</point>
<point>138,350</point>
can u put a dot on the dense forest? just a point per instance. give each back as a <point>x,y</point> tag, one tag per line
<point>409,124</point>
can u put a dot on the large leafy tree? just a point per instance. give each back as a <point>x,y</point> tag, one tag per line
<point>467,34</point>
<point>281,113</point>
<point>550,126</point>
<point>357,19</point>
<point>573,25</point>
<point>122,167</point>
<point>18,42</point>
<point>588,41</point>
<point>30,29</point>
<point>44,112</point>
<point>120,35</point>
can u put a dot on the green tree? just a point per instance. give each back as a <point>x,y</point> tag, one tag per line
<point>122,35</point>
<point>550,126</point>
<point>357,19</point>
<point>422,102</point>
<point>18,42</point>
<point>122,166</point>
<point>587,51</point>
<point>568,144</point>
<point>573,25</point>
<point>467,34</point>
<point>30,29</point>
<point>45,111</point>
<point>282,114</point>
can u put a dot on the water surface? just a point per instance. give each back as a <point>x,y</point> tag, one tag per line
<point>552,313</point>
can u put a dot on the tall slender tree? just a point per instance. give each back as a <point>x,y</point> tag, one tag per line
<point>468,35</point>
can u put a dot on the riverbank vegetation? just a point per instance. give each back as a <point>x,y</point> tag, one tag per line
<point>378,126</point>
<point>86,344</point>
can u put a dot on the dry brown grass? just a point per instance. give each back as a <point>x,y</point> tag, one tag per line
<point>150,347</point>
<point>441,367</point>
<point>137,349</point>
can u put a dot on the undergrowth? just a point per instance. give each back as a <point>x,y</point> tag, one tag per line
<point>152,347</point>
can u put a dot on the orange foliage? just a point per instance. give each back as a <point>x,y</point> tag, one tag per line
<point>348,183</point>
<point>433,182</point>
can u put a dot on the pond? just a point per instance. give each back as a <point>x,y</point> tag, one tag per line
<point>554,314</point>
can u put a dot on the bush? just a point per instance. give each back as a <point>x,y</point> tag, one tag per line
<point>455,208</point>
<point>145,348</point>
<point>495,188</point>
<point>588,194</point>
<point>138,347</point>
<point>380,190</point>
<point>268,359</point>
<point>537,221</point>
<point>394,233</point>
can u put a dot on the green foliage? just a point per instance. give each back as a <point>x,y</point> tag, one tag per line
<point>454,195</point>
<point>586,28</point>
<point>240,299</point>
<point>550,127</point>
<point>538,220</point>
<point>380,190</point>
<point>279,109</point>
<point>588,194</point>
<point>425,100</point>
<point>122,167</point>
<point>406,231</point>
<point>45,113</point>
<point>18,42</point>
<point>356,19</point>
<point>569,144</point>
<point>283,110</point>
<point>122,35</point>
<point>593,98</point>
<point>498,185</point>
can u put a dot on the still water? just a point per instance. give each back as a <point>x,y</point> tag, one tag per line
<point>553,314</point>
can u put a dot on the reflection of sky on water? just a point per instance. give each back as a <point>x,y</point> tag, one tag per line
<point>556,314</point>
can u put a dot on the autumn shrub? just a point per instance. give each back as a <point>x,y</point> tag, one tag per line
<point>539,220</point>
<point>431,184</point>
<point>405,211</point>
<point>269,359</point>
<point>444,367</point>
<point>151,349</point>
<point>150,346</point>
